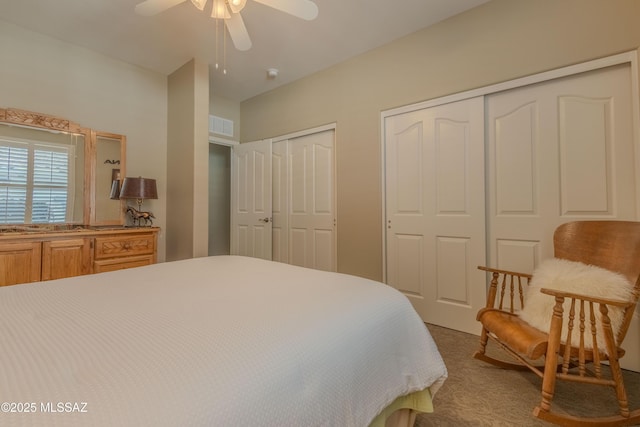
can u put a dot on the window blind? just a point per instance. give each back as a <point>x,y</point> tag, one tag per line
<point>34,182</point>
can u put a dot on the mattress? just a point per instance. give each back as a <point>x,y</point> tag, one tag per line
<point>215,341</point>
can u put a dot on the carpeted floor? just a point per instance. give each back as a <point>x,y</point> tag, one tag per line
<point>478,394</point>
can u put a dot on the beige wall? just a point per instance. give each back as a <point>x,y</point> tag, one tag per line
<point>498,41</point>
<point>226,109</point>
<point>42,74</point>
<point>187,162</point>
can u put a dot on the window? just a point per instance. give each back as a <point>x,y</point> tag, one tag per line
<point>36,182</point>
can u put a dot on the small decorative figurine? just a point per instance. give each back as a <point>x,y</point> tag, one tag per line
<point>137,216</point>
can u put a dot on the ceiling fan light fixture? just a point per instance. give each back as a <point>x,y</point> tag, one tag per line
<point>219,10</point>
<point>199,4</point>
<point>237,5</point>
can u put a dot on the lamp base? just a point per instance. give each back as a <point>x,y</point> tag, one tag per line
<point>138,215</point>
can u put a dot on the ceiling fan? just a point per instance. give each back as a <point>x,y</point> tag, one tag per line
<point>229,10</point>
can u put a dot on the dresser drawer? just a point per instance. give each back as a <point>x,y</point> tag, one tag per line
<point>117,246</point>
<point>100,266</point>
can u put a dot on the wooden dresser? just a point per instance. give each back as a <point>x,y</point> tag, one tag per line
<point>35,256</point>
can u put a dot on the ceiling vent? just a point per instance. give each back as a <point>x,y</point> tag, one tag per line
<point>220,126</point>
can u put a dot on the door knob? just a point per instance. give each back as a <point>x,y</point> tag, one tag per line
<point>267,219</point>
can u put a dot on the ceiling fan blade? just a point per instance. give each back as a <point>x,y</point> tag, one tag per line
<point>304,9</point>
<point>238,32</point>
<point>152,7</point>
<point>200,4</point>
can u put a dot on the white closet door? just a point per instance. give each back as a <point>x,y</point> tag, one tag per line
<point>280,201</point>
<point>283,200</point>
<point>251,199</point>
<point>312,212</point>
<point>435,211</point>
<point>560,151</point>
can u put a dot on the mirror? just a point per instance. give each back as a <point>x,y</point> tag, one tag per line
<point>52,171</point>
<point>109,167</point>
<point>42,169</point>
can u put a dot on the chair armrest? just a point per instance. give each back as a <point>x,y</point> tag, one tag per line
<point>498,271</point>
<point>596,300</point>
<point>598,328</point>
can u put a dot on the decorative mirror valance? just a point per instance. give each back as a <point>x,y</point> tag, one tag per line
<point>31,119</point>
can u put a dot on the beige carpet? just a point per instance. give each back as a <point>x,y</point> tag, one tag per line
<point>478,394</point>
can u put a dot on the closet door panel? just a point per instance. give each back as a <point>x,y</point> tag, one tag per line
<point>251,188</point>
<point>434,190</point>
<point>280,199</point>
<point>559,151</point>
<point>585,144</point>
<point>515,138</point>
<point>573,157</point>
<point>312,235</point>
<point>451,167</point>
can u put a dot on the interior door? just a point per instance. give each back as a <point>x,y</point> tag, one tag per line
<point>251,226</point>
<point>560,151</point>
<point>312,213</point>
<point>435,211</point>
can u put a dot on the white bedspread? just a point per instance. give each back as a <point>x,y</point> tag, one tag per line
<point>218,341</point>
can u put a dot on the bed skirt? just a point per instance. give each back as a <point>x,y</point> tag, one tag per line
<point>402,412</point>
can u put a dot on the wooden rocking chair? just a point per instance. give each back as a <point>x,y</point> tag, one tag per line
<point>613,245</point>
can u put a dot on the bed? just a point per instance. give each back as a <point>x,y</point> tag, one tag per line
<point>214,341</point>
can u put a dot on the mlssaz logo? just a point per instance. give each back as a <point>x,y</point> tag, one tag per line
<point>63,407</point>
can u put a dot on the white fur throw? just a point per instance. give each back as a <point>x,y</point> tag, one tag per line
<point>578,278</point>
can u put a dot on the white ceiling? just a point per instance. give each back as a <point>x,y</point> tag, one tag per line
<point>164,42</point>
